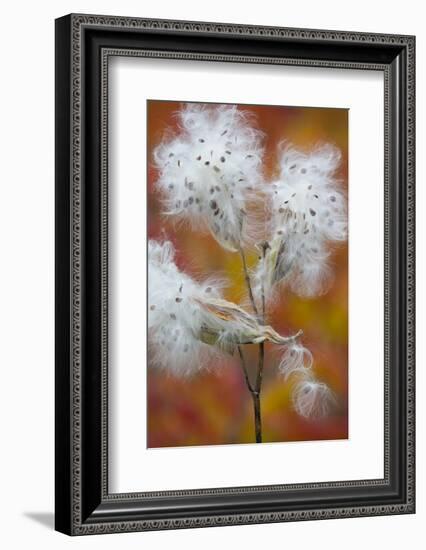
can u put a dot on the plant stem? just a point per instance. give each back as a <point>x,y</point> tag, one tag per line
<point>247,279</point>
<point>257,416</point>
<point>261,345</point>
<point>255,392</point>
<point>256,399</point>
<point>244,367</point>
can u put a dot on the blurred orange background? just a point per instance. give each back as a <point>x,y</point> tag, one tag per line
<point>215,407</point>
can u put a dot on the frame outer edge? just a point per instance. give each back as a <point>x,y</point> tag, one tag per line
<point>77,22</point>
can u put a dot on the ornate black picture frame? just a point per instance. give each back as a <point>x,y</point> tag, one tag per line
<point>84,44</point>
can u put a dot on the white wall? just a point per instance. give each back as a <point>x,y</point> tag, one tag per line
<point>26,289</point>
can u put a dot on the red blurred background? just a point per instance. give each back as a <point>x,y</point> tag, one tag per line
<point>215,407</point>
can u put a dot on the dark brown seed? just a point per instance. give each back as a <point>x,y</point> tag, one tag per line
<point>178,162</point>
<point>191,200</point>
<point>207,163</point>
<point>208,289</point>
<point>191,185</point>
<point>199,157</point>
<point>333,198</point>
<point>306,231</point>
<point>293,195</point>
<point>171,186</point>
<point>216,168</point>
<point>201,140</point>
<point>216,212</point>
<point>211,190</point>
<point>309,187</point>
<point>173,316</point>
<point>228,152</point>
<point>249,156</point>
<point>217,188</point>
<point>312,212</point>
<point>224,132</point>
<point>222,159</point>
<point>152,307</point>
<point>171,155</point>
<point>178,300</point>
<point>316,196</point>
<point>293,166</point>
<point>213,205</point>
<point>303,170</point>
<point>281,210</point>
<point>197,200</point>
<point>285,202</point>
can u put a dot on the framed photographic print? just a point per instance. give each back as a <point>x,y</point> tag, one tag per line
<point>234,274</point>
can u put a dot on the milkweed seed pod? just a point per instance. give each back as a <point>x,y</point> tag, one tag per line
<point>188,321</point>
<point>307,216</point>
<point>210,169</point>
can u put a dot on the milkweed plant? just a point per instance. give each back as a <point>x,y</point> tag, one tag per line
<point>210,176</point>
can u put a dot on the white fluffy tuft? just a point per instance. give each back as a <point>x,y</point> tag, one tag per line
<point>312,398</point>
<point>188,322</point>
<point>209,171</point>
<point>307,215</point>
<point>295,359</point>
<point>174,314</point>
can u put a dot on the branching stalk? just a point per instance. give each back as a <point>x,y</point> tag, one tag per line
<point>255,392</point>
<point>248,283</point>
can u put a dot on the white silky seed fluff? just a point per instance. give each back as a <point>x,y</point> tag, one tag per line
<point>307,215</point>
<point>311,398</point>
<point>174,315</point>
<point>188,321</point>
<point>208,171</point>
